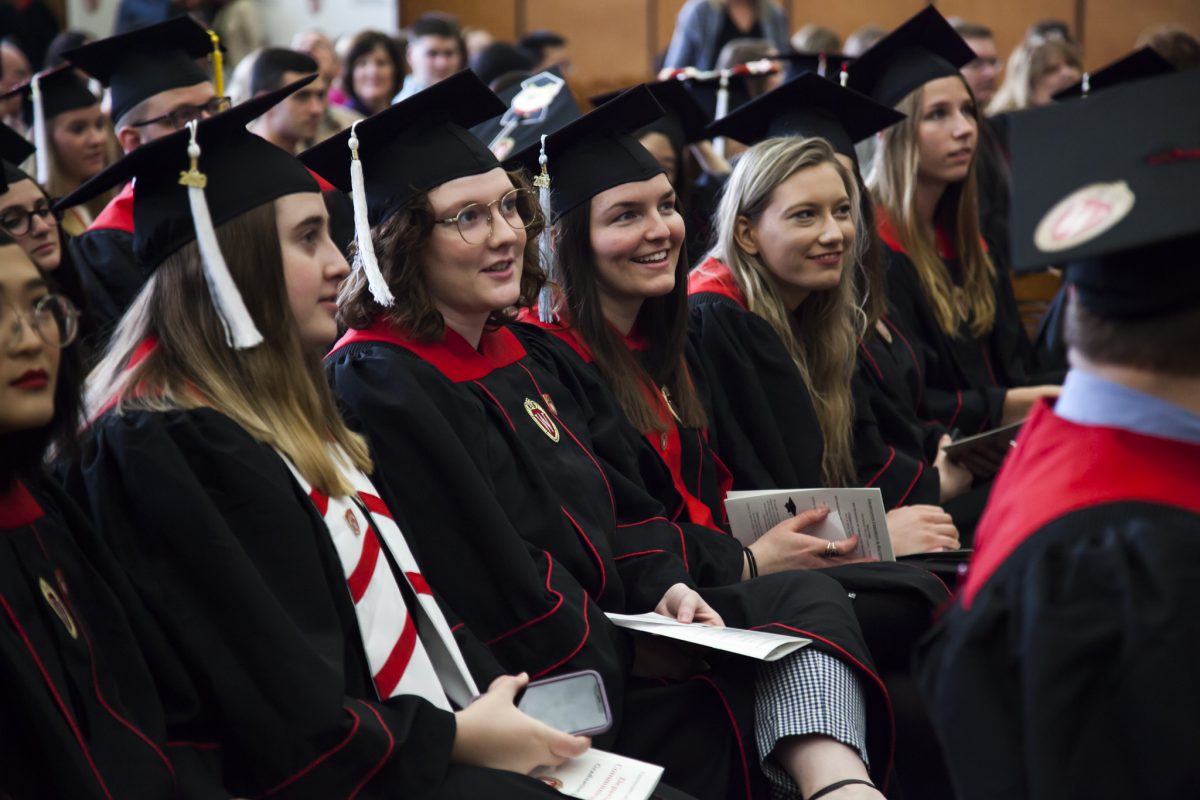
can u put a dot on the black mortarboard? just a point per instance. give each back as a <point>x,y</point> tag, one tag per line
<point>705,93</point>
<point>597,151</point>
<point>241,171</point>
<point>62,90</point>
<point>14,149</point>
<point>808,106</point>
<point>141,63</point>
<point>1140,64</point>
<point>413,146</point>
<point>827,65</point>
<point>1106,186</point>
<point>684,121</point>
<point>537,105</point>
<point>924,48</point>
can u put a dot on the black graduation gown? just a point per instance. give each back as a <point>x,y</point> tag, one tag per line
<point>107,269</point>
<point>530,533</point>
<point>965,378</point>
<point>1066,666</point>
<point>81,717</point>
<point>251,632</point>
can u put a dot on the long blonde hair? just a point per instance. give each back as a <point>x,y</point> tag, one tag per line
<point>820,336</point>
<point>893,180</point>
<point>1026,64</point>
<point>276,391</point>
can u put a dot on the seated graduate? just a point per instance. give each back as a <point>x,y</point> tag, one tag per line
<point>1071,649</point>
<point>524,528</point>
<point>81,716</point>
<point>954,305</point>
<point>806,317</point>
<point>289,627</point>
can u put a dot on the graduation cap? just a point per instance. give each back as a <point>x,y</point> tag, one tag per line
<point>187,183</point>
<point>1138,65</point>
<point>14,149</point>
<point>827,65</point>
<point>706,93</point>
<point>50,93</point>
<point>538,104</point>
<point>808,106</point>
<point>590,155</point>
<point>1106,186</point>
<point>411,147</point>
<point>923,49</point>
<point>142,63</point>
<point>684,121</point>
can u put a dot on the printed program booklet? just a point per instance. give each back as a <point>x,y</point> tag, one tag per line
<point>600,775</point>
<point>861,511</point>
<point>756,644</point>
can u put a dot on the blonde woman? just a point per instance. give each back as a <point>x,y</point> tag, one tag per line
<point>1038,69</point>
<point>949,299</point>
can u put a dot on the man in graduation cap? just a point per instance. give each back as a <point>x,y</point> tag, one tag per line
<point>157,87</point>
<point>1065,668</point>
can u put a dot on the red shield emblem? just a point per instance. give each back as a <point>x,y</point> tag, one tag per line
<point>540,418</point>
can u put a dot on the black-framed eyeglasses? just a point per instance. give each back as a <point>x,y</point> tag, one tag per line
<point>19,221</point>
<point>181,116</point>
<point>54,318</point>
<point>518,208</point>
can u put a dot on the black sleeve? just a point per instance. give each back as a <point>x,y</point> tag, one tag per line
<point>902,479</point>
<point>250,607</point>
<point>762,423</point>
<point>512,594</point>
<point>109,275</point>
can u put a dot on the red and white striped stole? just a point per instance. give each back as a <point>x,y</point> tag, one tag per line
<point>401,661</point>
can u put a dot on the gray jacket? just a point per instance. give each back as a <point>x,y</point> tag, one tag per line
<point>698,26</point>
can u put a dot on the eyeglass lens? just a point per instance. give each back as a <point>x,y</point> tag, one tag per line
<point>517,208</point>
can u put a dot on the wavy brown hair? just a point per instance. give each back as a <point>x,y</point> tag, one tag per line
<point>893,181</point>
<point>401,242</point>
<point>662,321</point>
<point>277,391</point>
<point>821,335</point>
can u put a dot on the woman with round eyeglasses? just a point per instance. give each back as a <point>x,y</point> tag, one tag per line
<point>25,214</point>
<point>81,717</point>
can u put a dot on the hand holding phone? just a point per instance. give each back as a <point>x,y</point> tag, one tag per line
<point>575,703</point>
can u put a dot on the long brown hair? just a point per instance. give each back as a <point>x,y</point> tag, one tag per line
<point>276,391</point>
<point>401,242</point>
<point>662,321</point>
<point>821,336</point>
<point>893,181</point>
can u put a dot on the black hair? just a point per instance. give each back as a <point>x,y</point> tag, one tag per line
<point>64,41</point>
<point>270,65</point>
<point>538,42</point>
<point>501,58</point>
<point>364,43</point>
<point>434,24</point>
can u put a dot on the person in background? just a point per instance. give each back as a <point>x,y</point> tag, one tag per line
<point>337,116</point>
<point>435,52</point>
<point>704,27</point>
<point>814,38</point>
<point>862,40</point>
<point>549,50</point>
<point>1050,29</point>
<point>239,24</point>
<point>67,40</point>
<point>1038,69</point>
<point>476,40</point>
<point>156,87</point>
<point>14,71</point>
<point>371,72</point>
<point>502,58</point>
<point>25,215</point>
<point>1073,639</point>
<point>983,72</point>
<point>294,122</point>
<point>1174,44</point>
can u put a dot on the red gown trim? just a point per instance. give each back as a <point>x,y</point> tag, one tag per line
<point>714,277</point>
<point>1059,467</point>
<point>453,356</point>
<point>18,508</point>
<point>118,214</point>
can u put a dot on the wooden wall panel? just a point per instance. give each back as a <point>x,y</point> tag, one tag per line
<point>665,12</point>
<point>609,40</point>
<point>1010,19</point>
<point>1112,27</point>
<point>497,16</point>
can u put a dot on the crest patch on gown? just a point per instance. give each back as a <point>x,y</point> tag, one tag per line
<point>540,418</point>
<point>58,607</point>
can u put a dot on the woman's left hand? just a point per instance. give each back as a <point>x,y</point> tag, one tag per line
<point>686,605</point>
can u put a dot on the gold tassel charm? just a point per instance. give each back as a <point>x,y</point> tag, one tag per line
<point>218,64</point>
<point>192,176</point>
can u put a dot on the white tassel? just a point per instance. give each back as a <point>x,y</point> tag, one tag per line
<point>844,75</point>
<point>240,331</point>
<point>39,131</point>
<point>722,109</point>
<point>548,296</point>
<point>364,253</point>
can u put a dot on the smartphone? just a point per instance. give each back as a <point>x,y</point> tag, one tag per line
<point>575,703</point>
